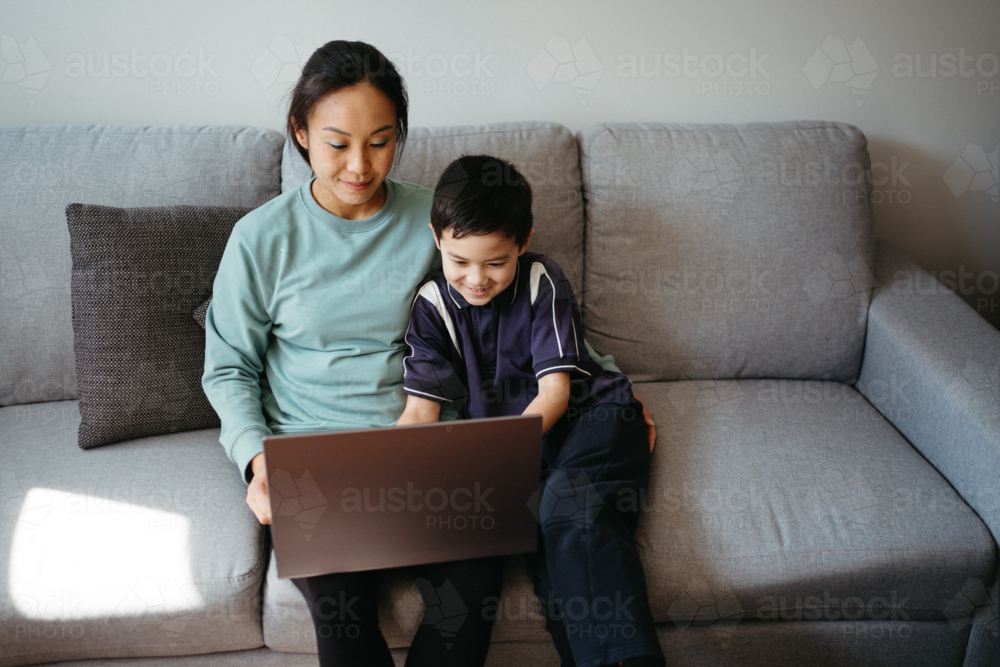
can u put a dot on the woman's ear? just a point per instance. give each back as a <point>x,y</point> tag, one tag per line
<point>300,135</point>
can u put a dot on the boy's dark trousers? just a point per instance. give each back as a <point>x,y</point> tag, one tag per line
<point>587,572</point>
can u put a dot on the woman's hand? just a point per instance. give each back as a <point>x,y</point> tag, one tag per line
<point>257,491</point>
<point>650,426</point>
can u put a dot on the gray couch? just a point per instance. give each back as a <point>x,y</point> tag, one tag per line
<point>826,481</point>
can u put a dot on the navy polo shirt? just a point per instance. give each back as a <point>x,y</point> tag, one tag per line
<point>486,360</point>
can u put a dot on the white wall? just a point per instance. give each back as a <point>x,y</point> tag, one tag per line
<point>466,62</point>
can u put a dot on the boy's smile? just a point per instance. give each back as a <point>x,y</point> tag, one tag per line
<point>479,267</point>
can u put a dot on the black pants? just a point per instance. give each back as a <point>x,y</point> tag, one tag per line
<point>455,628</point>
<point>587,571</point>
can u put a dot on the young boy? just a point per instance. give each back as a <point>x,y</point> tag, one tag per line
<point>498,332</point>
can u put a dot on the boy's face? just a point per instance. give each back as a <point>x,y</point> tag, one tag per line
<point>479,267</point>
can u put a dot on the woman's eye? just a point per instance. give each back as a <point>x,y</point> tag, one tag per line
<point>338,146</point>
<point>382,145</point>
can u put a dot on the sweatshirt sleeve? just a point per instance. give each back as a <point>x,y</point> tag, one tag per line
<point>236,336</point>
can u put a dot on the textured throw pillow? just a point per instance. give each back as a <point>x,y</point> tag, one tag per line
<point>137,276</point>
<point>201,312</point>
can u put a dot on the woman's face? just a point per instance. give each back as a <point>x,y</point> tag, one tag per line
<point>351,139</point>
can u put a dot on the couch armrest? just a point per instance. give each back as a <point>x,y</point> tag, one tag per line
<point>931,366</point>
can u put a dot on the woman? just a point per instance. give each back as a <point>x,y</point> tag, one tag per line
<point>305,329</point>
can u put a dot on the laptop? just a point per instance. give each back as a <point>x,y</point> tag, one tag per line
<point>369,499</point>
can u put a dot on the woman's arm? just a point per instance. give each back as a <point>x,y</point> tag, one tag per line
<point>419,411</point>
<point>552,399</point>
<point>236,338</point>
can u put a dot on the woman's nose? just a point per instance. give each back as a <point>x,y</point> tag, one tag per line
<point>358,162</point>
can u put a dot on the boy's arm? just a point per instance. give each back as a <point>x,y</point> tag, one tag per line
<point>552,399</point>
<point>419,411</point>
<point>430,371</point>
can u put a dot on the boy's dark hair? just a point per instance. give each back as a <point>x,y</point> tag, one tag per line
<point>341,64</point>
<point>482,194</point>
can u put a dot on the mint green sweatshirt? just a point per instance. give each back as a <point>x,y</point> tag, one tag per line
<point>305,329</point>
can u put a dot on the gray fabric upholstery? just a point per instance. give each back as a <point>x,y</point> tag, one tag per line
<point>795,499</point>
<point>138,275</point>
<point>47,167</point>
<point>932,367</point>
<point>546,153</point>
<point>847,644</point>
<point>288,626</point>
<point>145,547</point>
<point>728,251</point>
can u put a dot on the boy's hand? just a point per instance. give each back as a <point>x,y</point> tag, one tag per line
<point>419,411</point>
<point>650,426</point>
<point>552,399</point>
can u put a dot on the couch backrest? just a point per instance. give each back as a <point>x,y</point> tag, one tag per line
<point>728,251</point>
<point>44,168</point>
<point>546,153</point>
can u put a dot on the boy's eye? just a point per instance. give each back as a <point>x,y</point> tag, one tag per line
<point>495,266</point>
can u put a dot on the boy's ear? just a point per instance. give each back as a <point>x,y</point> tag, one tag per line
<point>526,242</point>
<point>434,234</point>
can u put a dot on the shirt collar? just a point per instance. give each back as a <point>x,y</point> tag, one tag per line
<point>505,297</point>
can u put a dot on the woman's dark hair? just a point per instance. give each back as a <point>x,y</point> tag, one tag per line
<point>340,64</point>
<point>482,194</point>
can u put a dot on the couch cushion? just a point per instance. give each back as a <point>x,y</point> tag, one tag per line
<point>745,250</point>
<point>796,500</point>
<point>142,548</point>
<point>288,626</point>
<point>139,274</point>
<point>47,167</point>
<point>546,153</point>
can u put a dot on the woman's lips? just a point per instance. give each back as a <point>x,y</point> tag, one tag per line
<point>357,186</point>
